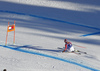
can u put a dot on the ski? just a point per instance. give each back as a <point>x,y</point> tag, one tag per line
<point>81,52</point>
<point>77,52</point>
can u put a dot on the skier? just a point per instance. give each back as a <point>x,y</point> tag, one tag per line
<point>68,46</point>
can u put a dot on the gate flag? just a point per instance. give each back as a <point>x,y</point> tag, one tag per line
<point>10,28</point>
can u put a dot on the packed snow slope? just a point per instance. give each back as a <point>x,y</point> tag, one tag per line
<point>41,27</point>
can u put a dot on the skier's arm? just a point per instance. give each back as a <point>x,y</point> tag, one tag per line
<point>65,48</point>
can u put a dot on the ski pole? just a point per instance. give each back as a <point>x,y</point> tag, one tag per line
<point>79,46</point>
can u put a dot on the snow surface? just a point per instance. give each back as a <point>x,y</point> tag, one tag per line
<point>41,27</point>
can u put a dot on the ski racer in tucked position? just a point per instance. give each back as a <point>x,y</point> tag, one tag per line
<point>68,46</point>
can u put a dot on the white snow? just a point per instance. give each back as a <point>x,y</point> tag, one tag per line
<point>41,27</point>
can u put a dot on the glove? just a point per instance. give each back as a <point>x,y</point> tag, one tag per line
<point>63,51</point>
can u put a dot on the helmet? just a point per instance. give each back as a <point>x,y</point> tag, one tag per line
<point>65,40</point>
